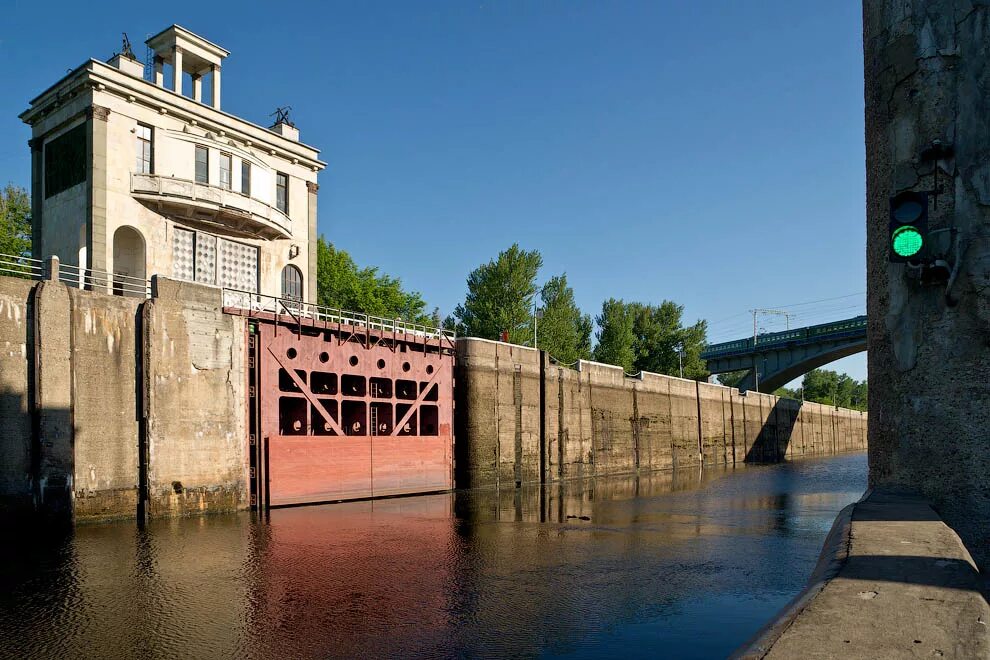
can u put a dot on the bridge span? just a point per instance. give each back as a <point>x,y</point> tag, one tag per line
<point>780,357</point>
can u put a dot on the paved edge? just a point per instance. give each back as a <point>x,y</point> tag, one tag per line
<point>834,553</point>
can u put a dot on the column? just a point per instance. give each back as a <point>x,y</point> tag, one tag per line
<point>159,73</point>
<point>927,67</point>
<point>37,195</point>
<point>216,86</point>
<point>96,188</point>
<point>312,189</point>
<point>197,85</point>
<point>177,70</point>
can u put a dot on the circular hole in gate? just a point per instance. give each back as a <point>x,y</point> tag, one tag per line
<point>324,357</point>
<point>405,366</point>
<point>381,364</point>
<point>353,360</point>
<point>429,368</point>
<point>291,354</point>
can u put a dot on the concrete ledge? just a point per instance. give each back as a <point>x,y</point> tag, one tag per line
<point>893,581</point>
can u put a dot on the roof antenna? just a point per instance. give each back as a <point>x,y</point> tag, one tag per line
<point>126,49</point>
<point>281,116</point>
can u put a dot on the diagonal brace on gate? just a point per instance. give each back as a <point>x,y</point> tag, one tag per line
<point>316,403</point>
<point>415,404</point>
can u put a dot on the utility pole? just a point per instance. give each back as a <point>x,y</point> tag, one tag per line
<point>787,322</point>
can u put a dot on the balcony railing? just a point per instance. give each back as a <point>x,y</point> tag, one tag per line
<point>201,202</point>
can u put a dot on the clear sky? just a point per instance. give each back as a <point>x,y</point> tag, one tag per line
<point>709,153</point>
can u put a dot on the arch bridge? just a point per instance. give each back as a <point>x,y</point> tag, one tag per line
<point>780,357</point>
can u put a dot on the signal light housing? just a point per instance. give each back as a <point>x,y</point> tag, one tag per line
<point>908,227</point>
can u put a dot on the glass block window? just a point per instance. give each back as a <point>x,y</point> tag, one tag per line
<point>143,146</point>
<point>202,164</point>
<point>245,177</point>
<point>225,165</point>
<point>206,258</point>
<point>282,192</point>
<point>238,266</point>
<point>182,254</point>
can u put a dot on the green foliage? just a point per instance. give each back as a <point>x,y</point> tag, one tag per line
<point>563,332</point>
<point>343,284</point>
<point>833,388</point>
<point>660,336</point>
<point>731,378</point>
<point>15,221</point>
<point>500,297</point>
<point>615,335</point>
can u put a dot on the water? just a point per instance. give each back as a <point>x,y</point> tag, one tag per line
<point>667,565</point>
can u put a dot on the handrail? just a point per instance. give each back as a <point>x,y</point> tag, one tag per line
<point>258,302</point>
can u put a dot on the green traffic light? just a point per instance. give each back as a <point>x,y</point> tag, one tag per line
<point>907,241</point>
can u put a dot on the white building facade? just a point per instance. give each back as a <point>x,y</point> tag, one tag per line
<point>135,177</point>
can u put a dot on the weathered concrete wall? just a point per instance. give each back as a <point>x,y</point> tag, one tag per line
<point>927,71</point>
<point>195,401</point>
<point>16,338</point>
<point>598,421</point>
<point>91,383</point>
<point>105,360</point>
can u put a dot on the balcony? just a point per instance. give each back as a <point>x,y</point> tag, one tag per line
<point>223,210</point>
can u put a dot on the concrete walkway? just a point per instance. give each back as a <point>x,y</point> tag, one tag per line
<point>893,582</point>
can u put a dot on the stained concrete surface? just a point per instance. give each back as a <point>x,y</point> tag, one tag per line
<point>905,587</point>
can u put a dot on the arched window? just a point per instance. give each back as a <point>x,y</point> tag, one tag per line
<point>292,283</point>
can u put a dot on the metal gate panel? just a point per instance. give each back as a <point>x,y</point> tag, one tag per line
<point>347,413</point>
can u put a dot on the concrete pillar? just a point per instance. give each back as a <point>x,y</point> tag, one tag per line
<point>177,70</point>
<point>159,73</point>
<point>216,86</point>
<point>927,69</point>
<point>96,187</point>
<point>197,88</point>
<point>312,189</point>
<point>53,485</point>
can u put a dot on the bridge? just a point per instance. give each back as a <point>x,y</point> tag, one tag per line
<point>781,357</point>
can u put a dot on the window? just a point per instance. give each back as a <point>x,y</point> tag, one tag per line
<point>245,177</point>
<point>225,171</point>
<point>143,148</point>
<point>282,192</point>
<point>292,283</point>
<point>65,161</point>
<point>202,164</point>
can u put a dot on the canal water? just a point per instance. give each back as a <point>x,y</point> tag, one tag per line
<point>660,565</point>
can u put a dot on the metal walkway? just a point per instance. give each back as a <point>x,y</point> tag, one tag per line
<point>783,356</point>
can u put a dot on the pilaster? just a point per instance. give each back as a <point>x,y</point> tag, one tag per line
<point>96,187</point>
<point>37,194</point>
<point>311,295</point>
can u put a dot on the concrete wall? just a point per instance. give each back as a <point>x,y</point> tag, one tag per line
<point>101,395</point>
<point>927,71</point>
<point>16,342</point>
<point>516,416</point>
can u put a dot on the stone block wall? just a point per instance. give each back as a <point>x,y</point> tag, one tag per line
<point>595,420</point>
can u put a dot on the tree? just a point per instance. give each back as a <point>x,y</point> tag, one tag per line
<point>500,296</point>
<point>15,221</point>
<point>615,335</point>
<point>833,388</point>
<point>563,332</point>
<point>731,378</point>
<point>341,283</point>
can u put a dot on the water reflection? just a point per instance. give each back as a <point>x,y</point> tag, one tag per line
<point>684,564</point>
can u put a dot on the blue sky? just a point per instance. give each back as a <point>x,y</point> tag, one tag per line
<point>709,153</point>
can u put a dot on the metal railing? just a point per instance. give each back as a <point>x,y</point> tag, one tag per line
<point>259,303</point>
<point>20,266</point>
<point>100,280</point>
